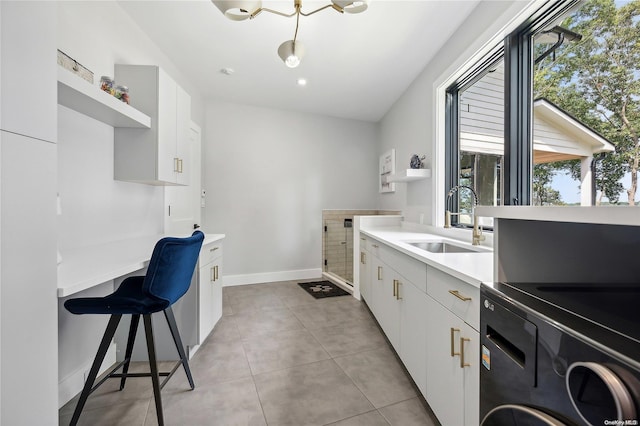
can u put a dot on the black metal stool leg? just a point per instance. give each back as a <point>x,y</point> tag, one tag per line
<point>133,329</point>
<point>114,320</point>
<point>171,320</point>
<point>155,377</point>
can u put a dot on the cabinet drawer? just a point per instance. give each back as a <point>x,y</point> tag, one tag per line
<point>459,297</point>
<point>209,253</point>
<point>409,268</point>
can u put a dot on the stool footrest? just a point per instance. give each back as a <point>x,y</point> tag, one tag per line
<point>113,374</point>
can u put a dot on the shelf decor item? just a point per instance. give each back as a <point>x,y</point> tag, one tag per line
<point>387,170</point>
<point>122,93</point>
<point>107,85</point>
<point>416,161</point>
<point>67,62</point>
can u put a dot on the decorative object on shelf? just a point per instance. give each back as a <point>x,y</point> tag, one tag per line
<point>67,62</point>
<point>122,93</point>
<point>416,162</point>
<point>106,84</point>
<point>291,51</point>
<point>387,170</point>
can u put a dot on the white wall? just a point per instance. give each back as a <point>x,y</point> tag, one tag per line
<point>410,125</point>
<point>96,208</point>
<point>268,175</point>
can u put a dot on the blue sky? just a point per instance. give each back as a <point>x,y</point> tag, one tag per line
<point>570,189</point>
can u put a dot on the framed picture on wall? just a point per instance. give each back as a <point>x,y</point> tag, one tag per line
<point>387,168</point>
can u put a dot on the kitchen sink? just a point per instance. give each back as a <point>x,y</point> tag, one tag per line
<point>442,247</point>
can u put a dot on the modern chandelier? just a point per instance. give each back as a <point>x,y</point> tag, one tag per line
<point>291,51</point>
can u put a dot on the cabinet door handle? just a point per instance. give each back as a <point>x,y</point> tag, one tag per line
<point>214,249</point>
<point>379,273</point>
<point>175,164</point>
<point>457,294</point>
<point>216,275</point>
<point>363,239</point>
<point>395,287</point>
<point>213,274</point>
<point>453,332</point>
<point>462,363</point>
<point>399,283</point>
<point>363,258</point>
<point>375,246</point>
<point>180,165</point>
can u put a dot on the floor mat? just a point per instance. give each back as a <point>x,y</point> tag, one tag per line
<point>321,289</point>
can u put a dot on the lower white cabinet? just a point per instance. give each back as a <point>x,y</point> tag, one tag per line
<point>365,275</point>
<point>413,333</point>
<point>399,306</point>
<point>386,304</point>
<point>452,367</point>
<point>209,288</point>
<point>431,319</point>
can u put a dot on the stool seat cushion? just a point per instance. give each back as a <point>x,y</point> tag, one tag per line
<point>129,298</point>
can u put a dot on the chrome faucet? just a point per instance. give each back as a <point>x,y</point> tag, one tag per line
<point>477,229</point>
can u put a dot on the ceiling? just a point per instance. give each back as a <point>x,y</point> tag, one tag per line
<point>356,65</point>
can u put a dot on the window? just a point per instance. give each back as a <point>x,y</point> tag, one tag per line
<point>477,107</point>
<point>570,78</point>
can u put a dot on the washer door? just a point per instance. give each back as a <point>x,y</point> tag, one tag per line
<point>598,394</point>
<point>519,415</point>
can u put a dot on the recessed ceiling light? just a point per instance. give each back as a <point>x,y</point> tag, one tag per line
<point>227,71</point>
<point>302,82</point>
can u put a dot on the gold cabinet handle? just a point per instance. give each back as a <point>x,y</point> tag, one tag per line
<point>395,287</point>
<point>399,283</point>
<point>214,249</point>
<point>462,363</point>
<point>375,246</point>
<point>176,167</point>
<point>213,273</point>
<point>179,165</point>
<point>453,332</point>
<point>217,277</point>
<point>363,239</point>
<point>363,258</point>
<point>457,294</point>
<point>379,273</point>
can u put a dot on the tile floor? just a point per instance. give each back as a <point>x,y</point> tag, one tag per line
<point>277,357</point>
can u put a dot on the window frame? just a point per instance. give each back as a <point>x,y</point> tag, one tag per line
<point>516,49</point>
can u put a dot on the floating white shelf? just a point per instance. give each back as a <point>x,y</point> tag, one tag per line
<point>87,99</point>
<point>410,175</point>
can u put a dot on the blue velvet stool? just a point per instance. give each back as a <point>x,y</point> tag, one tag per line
<point>168,278</point>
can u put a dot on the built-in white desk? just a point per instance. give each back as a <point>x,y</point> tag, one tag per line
<point>86,267</point>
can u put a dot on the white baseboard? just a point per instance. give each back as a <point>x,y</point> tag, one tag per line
<point>72,385</point>
<point>269,277</point>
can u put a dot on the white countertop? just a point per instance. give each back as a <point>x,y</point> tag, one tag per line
<point>86,267</point>
<point>608,215</point>
<point>472,268</point>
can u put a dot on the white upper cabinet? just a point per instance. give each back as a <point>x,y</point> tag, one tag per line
<point>160,155</point>
<point>28,91</point>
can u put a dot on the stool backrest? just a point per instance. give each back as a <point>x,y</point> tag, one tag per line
<point>171,267</point>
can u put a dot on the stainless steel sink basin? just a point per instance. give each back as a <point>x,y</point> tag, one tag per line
<point>441,247</point>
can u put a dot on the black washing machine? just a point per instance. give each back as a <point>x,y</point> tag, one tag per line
<point>560,354</point>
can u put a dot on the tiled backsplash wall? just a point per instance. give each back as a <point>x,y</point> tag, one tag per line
<point>337,241</point>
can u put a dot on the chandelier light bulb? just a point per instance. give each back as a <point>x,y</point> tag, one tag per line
<point>291,53</point>
<point>292,61</point>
